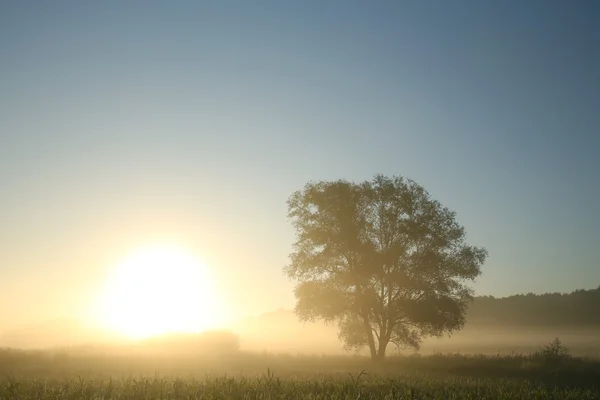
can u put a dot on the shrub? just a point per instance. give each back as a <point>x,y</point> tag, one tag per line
<point>554,351</point>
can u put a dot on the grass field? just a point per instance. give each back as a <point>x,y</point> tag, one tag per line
<point>97,374</point>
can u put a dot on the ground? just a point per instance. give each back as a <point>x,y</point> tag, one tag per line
<point>94,374</point>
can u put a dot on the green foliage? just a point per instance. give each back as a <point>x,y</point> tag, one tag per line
<point>555,349</point>
<point>554,352</point>
<point>364,386</point>
<point>252,376</point>
<point>382,259</point>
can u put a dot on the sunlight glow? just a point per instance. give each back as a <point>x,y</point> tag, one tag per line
<point>160,289</point>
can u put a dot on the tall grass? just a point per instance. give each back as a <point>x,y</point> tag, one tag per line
<point>100,375</point>
<point>274,387</point>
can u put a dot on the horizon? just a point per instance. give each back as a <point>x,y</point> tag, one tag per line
<point>503,326</point>
<point>231,324</point>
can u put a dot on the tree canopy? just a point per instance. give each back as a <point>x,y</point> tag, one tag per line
<point>382,260</point>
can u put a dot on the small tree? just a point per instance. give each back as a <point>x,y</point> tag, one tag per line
<point>554,351</point>
<point>382,260</point>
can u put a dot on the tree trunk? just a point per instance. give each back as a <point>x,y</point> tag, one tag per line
<point>383,342</point>
<point>370,338</point>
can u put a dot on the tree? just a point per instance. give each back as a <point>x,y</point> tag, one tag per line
<point>382,259</point>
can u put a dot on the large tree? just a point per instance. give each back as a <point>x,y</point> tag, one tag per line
<point>382,259</point>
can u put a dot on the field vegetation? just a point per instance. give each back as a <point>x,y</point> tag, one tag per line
<point>102,373</point>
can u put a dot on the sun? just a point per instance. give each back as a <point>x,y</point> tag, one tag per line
<point>160,289</point>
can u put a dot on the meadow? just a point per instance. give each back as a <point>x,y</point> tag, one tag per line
<point>97,373</point>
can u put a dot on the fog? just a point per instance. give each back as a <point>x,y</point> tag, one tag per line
<point>281,332</point>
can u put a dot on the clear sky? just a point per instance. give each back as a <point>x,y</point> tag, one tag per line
<point>122,122</point>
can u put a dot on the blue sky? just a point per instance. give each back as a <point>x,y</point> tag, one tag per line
<point>122,121</point>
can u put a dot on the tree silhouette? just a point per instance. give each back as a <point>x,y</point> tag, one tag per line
<point>548,310</point>
<point>382,260</point>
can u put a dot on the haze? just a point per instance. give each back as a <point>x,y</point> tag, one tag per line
<point>188,124</point>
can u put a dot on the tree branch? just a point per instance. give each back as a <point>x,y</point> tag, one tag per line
<point>375,332</point>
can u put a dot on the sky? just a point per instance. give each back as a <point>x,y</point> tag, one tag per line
<point>128,122</point>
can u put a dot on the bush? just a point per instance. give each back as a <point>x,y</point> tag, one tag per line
<point>554,351</point>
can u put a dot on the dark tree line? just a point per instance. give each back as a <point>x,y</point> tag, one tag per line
<point>580,308</point>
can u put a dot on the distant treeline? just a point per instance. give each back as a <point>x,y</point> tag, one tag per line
<point>580,308</point>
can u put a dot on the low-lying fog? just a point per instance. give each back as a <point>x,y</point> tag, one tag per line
<point>282,332</point>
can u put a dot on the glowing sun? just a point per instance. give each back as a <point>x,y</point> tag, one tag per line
<point>160,289</point>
